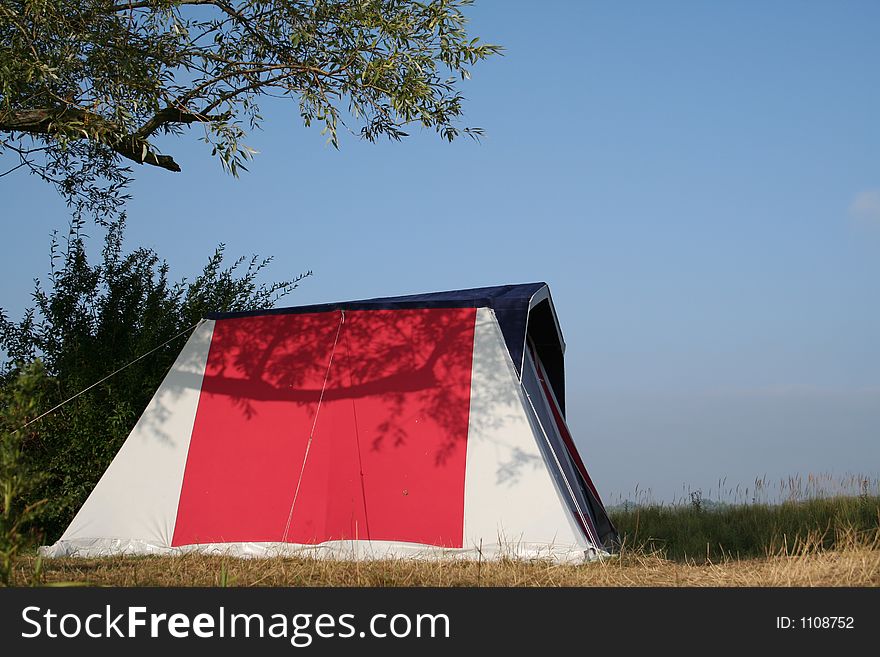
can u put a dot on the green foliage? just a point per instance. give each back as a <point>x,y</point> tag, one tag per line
<point>83,82</point>
<point>19,479</point>
<point>696,532</point>
<point>90,320</point>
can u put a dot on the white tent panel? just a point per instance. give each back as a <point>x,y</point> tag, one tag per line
<point>512,504</point>
<point>133,508</point>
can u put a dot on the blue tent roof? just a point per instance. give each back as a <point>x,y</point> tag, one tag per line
<point>513,306</point>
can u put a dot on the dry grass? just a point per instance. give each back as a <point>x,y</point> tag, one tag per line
<point>855,562</point>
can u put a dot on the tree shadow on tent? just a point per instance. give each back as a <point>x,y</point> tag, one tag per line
<point>392,379</point>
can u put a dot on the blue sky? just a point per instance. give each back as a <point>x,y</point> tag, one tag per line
<point>698,182</point>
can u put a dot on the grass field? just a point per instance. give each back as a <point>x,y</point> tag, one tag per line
<point>854,562</point>
<point>832,541</point>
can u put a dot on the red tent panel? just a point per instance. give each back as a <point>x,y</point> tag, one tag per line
<point>394,384</point>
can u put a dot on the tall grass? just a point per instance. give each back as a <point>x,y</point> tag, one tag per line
<point>763,490</point>
<point>700,529</point>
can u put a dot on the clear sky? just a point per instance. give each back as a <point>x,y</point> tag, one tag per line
<point>698,182</point>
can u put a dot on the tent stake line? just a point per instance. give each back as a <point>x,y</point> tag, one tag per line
<point>111,375</point>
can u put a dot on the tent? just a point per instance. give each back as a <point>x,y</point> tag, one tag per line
<point>410,426</point>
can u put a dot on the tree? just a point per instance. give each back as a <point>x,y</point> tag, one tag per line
<point>88,321</point>
<point>84,83</point>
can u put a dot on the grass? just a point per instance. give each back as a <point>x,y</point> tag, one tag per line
<point>855,561</point>
<point>818,535</point>
<point>692,531</point>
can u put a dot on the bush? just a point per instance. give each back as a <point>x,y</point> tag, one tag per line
<point>19,480</point>
<point>90,320</point>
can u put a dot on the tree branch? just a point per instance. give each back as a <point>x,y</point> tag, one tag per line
<point>81,124</point>
<point>146,4</point>
<point>257,68</point>
<point>15,168</point>
<point>232,93</point>
<point>175,115</point>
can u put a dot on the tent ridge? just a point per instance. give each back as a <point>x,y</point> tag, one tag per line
<point>513,295</point>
